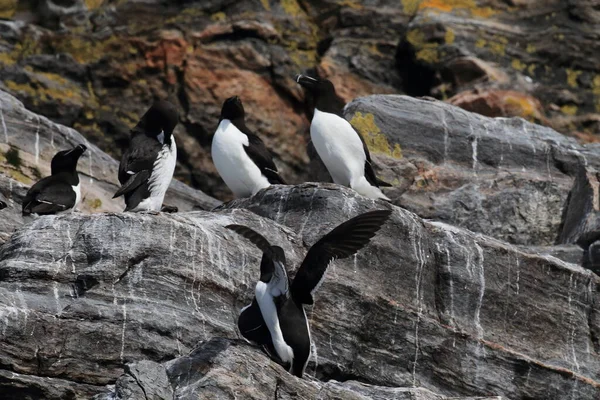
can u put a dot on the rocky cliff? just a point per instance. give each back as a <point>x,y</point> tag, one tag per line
<point>117,305</point>
<point>97,64</point>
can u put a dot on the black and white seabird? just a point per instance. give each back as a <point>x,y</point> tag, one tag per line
<point>340,147</point>
<point>276,319</point>
<point>240,156</point>
<point>61,190</point>
<point>147,166</point>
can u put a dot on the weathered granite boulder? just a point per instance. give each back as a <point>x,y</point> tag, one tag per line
<point>425,305</point>
<point>28,142</point>
<point>506,178</point>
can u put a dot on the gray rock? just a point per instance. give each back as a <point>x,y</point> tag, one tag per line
<point>506,178</point>
<point>425,305</point>
<point>225,369</point>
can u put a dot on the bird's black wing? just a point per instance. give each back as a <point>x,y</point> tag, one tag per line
<point>49,196</point>
<point>341,242</point>
<point>136,164</point>
<point>252,326</point>
<point>261,156</point>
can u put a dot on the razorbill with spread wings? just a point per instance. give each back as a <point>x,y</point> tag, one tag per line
<point>240,156</point>
<point>341,148</point>
<point>147,166</point>
<point>276,319</point>
<point>61,190</point>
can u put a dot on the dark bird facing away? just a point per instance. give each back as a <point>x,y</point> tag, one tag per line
<point>341,148</point>
<point>61,190</point>
<point>241,158</point>
<point>147,166</point>
<point>276,319</point>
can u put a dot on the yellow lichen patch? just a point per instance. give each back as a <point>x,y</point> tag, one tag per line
<point>449,36</point>
<point>411,7</point>
<point>303,58</point>
<point>518,65</point>
<point>376,141</point>
<point>350,3</point>
<point>291,7</point>
<point>94,204</point>
<point>522,106</point>
<point>266,4</point>
<point>596,85</point>
<point>41,92</point>
<point>531,69</point>
<point>569,109</point>
<point>8,8</point>
<point>83,50</point>
<point>425,51</point>
<point>468,6</point>
<point>6,59</point>
<point>93,4</point>
<point>572,76</point>
<point>497,48</point>
<point>530,48</point>
<point>218,16</point>
<point>480,43</point>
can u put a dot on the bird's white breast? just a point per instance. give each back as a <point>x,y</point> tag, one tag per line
<point>77,190</point>
<point>338,146</point>
<point>268,309</point>
<point>238,171</point>
<point>160,179</point>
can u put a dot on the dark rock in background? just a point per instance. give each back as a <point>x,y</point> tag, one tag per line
<point>96,65</point>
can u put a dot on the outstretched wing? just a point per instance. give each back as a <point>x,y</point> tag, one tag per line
<point>256,238</point>
<point>261,156</point>
<point>136,164</point>
<point>343,241</point>
<point>49,196</point>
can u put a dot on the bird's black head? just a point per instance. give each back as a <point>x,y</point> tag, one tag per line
<point>232,109</point>
<point>66,160</point>
<point>267,264</point>
<point>161,117</point>
<point>323,92</point>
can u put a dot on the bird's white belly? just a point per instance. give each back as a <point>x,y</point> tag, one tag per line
<point>77,190</point>
<point>238,171</point>
<point>338,146</point>
<point>160,179</point>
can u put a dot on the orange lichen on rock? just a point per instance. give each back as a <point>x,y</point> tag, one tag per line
<point>468,6</point>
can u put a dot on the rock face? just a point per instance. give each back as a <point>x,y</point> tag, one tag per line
<point>28,143</point>
<point>506,178</point>
<point>425,306</point>
<point>97,64</point>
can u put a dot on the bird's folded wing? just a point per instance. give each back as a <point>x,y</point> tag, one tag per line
<point>135,180</point>
<point>263,158</point>
<point>51,198</point>
<point>252,325</point>
<point>341,242</point>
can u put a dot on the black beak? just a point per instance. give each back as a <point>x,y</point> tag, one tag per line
<point>82,148</point>
<point>305,81</point>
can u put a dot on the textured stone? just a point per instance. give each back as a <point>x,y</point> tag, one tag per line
<point>424,305</point>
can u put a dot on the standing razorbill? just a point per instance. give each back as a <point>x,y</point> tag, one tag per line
<point>276,319</point>
<point>240,156</point>
<point>340,147</point>
<point>147,166</point>
<point>61,190</point>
